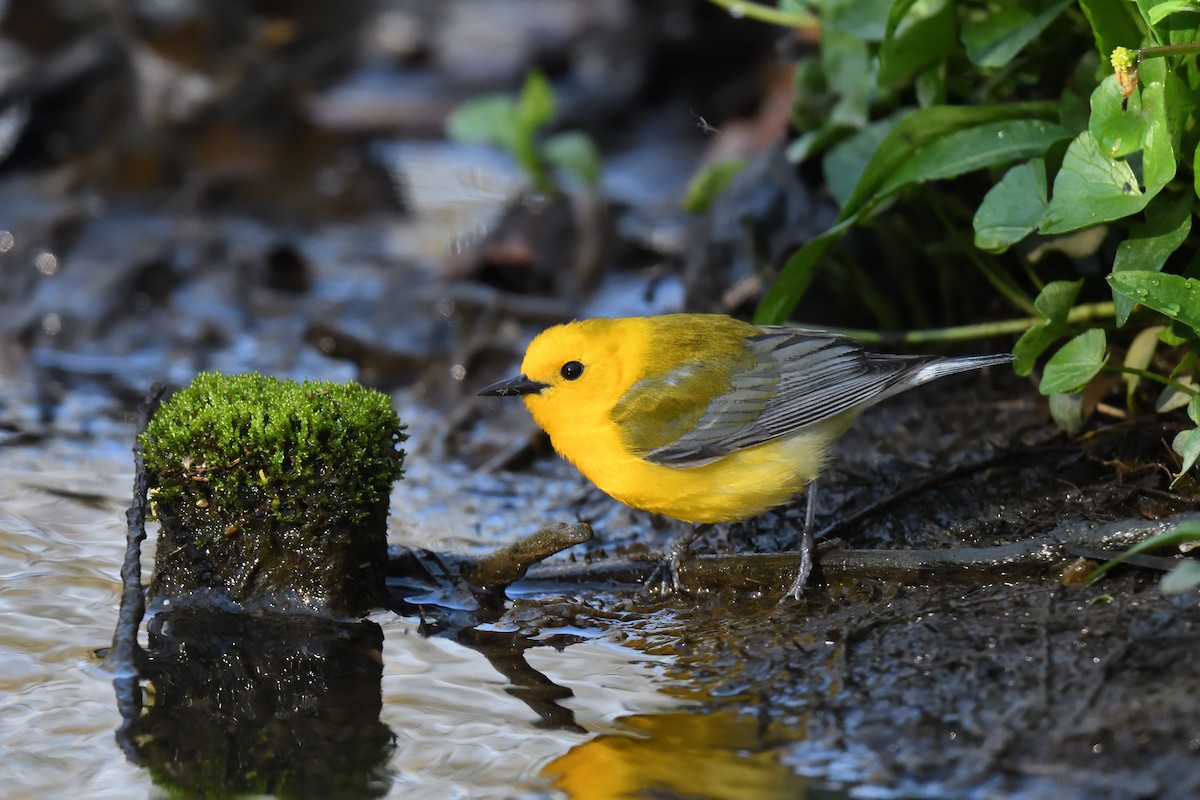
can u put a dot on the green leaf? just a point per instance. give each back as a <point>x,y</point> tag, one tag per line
<point>846,161</point>
<point>1032,344</point>
<point>485,120</point>
<point>847,66</point>
<point>1054,303</point>
<point>574,152</point>
<point>1183,533</point>
<point>920,33</point>
<point>863,19</point>
<point>1183,577</point>
<point>1013,208</point>
<point>1158,149</point>
<point>1171,398</point>
<point>980,146</point>
<point>795,276</point>
<point>809,96</point>
<point>1172,296</point>
<point>1187,445</point>
<point>1119,131</point>
<point>536,105</point>
<point>1056,300</point>
<point>930,86</point>
<point>1158,13</point>
<point>992,38</point>
<point>1076,363</point>
<point>710,182</point>
<point>1067,412</point>
<point>1138,357</point>
<point>1152,122</point>
<point>812,142</point>
<point>917,138</point>
<point>1186,365</point>
<point>1180,30</point>
<point>914,133</point>
<point>1179,100</point>
<point>1161,11</point>
<point>535,108</point>
<point>1149,244</point>
<point>1114,23</point>
<point>1091,188</point>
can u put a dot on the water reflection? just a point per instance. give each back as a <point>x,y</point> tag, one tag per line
<point>468,709</point>
<point>718,755</point>
<point>286,705</point>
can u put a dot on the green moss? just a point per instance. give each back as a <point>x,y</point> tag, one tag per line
<point>244,448</point>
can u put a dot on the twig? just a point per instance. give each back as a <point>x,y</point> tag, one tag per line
<point>1086,312</point>
<point>133,601</point>
<point>125,653</point>
<point>972,565</point>
<point>768,14</point>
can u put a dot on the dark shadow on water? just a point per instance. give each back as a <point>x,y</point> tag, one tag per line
<point>237,704</point>
<point>459,616</point>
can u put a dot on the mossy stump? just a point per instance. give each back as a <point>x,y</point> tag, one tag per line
<point>272,495</point>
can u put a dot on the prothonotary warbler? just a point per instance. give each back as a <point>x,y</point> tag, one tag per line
<point>705,418</point>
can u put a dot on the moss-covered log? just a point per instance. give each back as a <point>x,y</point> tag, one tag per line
<point>272,494</point>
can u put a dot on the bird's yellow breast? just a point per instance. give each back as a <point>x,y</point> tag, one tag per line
<point>738,486</point>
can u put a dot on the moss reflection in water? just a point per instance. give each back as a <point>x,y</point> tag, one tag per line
<point>282,705</point>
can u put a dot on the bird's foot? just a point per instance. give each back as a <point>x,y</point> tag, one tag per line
<point>806,565</point>
<point>666,576</point>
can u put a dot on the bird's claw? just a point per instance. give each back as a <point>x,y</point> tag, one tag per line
<point>665,577</point>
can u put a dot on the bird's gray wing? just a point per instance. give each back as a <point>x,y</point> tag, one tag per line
<point>793,378</point>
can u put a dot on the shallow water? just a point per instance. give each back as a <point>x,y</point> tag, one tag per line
<point>59,560</point>
<point>458,730</point>
<point>880,690</point>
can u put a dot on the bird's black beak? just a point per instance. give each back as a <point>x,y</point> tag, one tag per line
<point>513,387</point>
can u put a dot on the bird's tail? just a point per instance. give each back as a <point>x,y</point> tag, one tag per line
<point>949,366</point>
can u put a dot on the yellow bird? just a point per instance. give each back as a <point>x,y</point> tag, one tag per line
<point>705,418</point>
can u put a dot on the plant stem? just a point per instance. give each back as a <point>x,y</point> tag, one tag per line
<point>1081,313</point>
<point>1191,391</point>
<point>768,14</point>
<point>1162,51</point>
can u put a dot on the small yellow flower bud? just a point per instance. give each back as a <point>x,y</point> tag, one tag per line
<point>1122,59</point>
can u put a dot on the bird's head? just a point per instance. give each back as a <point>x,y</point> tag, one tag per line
<point>575,372</point>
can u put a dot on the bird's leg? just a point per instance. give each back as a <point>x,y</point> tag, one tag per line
<point>666,574</point>
<point>806,545</point>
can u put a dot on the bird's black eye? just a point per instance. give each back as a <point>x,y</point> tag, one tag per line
<point>571,370</point>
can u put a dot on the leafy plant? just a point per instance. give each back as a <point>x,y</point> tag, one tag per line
<point>1081,119</point>
<point>710,182</point>
<point>1184,576</point>
<point>516,125</point>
